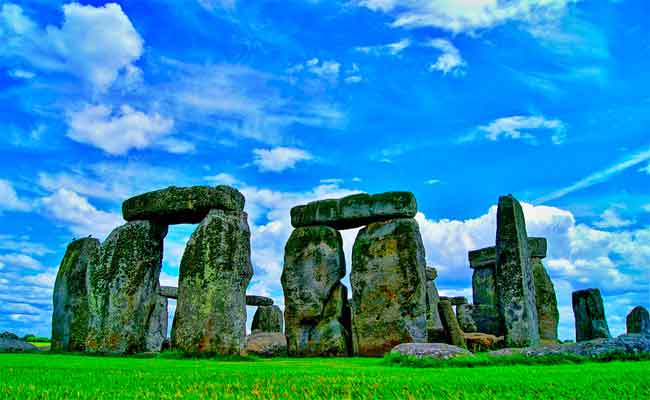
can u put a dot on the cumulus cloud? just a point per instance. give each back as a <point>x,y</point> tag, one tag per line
<point>278,159</point>
<point>94,44</point>
<point>9,200</point>
<point>517,127</point>
<point>118,132</point>
<point>222,179</point>
<point>450,61</point>
<point>610,218</point>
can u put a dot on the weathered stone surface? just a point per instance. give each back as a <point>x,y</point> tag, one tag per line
<point>356,210</point>
<point>8,345</point>
<point>123,288</point>
<point>70,296</point>
<point>487,319</point>
<point>480,342</point>
<point>484,286</point>
<point>537,247</point>
<point>465,320</point>
<point>638,321</point>
<point>182,205</point>
<point>435,330</point>
<point>258,301</point>
<point>483,258</point>
<point>169,292</point>
<point>430,274</point>
<point>546,301</point>
<point>214,273</point>
<point>449,321</point>
<point>317,321</point>
<point>157,331</point>
<point>589,314</point>
<point>624,344</point>
<point>431,350</point>
<point>388,286</point>
<point>514,276</point>
<point>266,344</point>
<point>268,319</point>
<point>458,300</point>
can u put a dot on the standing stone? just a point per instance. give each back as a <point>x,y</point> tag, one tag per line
<point>268,319</point>
<point>638,321</point>
<point>514,276</point>
<point>317,321</point>
<point>483,262</point>
<point>214,273</point>
<point>487,319</point>
<point>546,301</point>
<point>123,289</point>
<point>465,320</point>
<point>589,315</point>
<point>70,297</point>
<point>435,330</point>
<point>157,332</point>
<point>449,321</point>
<point>388,287</point>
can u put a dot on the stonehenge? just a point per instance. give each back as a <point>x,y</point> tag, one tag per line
<point>589,315</point>
<point>638,322</point>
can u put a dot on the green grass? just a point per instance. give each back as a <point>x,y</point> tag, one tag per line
<point>55,376</point>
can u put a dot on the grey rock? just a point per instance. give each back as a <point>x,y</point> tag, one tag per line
<point>123,288</point>
<point>484,286</point>
<point>546,301</point>
<point>482,258</point>
<point>441,351</point>
<point>8,345</point>
<point>355,211</point>
<point>266,344</point>
<point>258,301</point>
<point>214,274</point>
<point>430,273</point>
<point>450,323</point>
<point>157,331</point>
<point>70,297</point>
<point>638,321</point>
<point>458,300</point>
<point>388,287</point>
<point>487,319</point>
<point>624,344</point>
<point>435,329</point>
<point>268,319</point>
<point>169,292</point>
<point>182,205</point>
<point>537,247</point>
<point>317,320</point>
<point>464,314</point>
<point>514,276</point>
<point>589,314</point>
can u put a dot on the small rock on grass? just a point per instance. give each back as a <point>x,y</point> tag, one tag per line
<point>441,351</point>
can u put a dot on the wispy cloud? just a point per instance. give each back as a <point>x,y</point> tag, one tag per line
<point>392,49</point>
<point>599,176</point>
<point>520,127</point>
<point>450,61</point>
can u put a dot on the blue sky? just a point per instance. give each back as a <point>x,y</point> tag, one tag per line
<point>291,101</point>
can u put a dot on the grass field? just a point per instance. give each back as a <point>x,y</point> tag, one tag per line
<point>43,376</point>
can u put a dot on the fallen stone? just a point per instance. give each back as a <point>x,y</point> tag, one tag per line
<point>388,287</point>
<point>487,319</point>
<point>514,276</point>
<point>441,351</point>
<point>8,345</point>
<point>268,319</point>
<point>182,205</point>
<point>169,292</point>
<point>70,297</point>
<point>465,320</point>
<point>638,321</point>
<point>258,300</point>
<point>430,273</point>
<point>355,211</point>
<point>480,342</point>
<point>123,289</point>
<point>622,345</point>
<point>316,319</point>
<point>214,273</point>
<point>450,323</point>
<point>482,258</point>
<point>589,314</point>
<point>458,300</point>
<point>266,344</point>
<point>435,329</point>
<point>546,302</point>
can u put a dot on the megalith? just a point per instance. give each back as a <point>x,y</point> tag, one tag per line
<point>464,315</point>
<point>157,331</point>
<point>638,321</point>
<point>435,329</point>
<point>268,319</point>
<point>589,314</point>
<point>545,299</point>
<point>70,297</point>
<point>214,273</point>
<point>514,278</point>
<point>389,301</point>
<point>123,289</point>
<point>316,315</point>
<point>483,264</point>
<point>449,321</point>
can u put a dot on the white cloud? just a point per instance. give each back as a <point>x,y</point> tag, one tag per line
<point>645,169</point>
<point>331,181</point>
<point>392,49</point>
<point>22,244</point>
<point>94,43</point>
<point>21,74</point>
<point>325,69</point>
<point>117,133</point>
<point>222,179</point>
<point>450,61</point>
<point>353,79</point>
<point>278,159</point>
<point>9,200</point>
<point>646,207</point>
<point>610,218</point>
<point>78,215</point>
<point>433,181</point>
<point>17,261</point>
<point>522,128</point>
<point>211,5</point>
<point>466,16</point>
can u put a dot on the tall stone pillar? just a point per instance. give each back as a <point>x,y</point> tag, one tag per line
<point>545,299</point>
<point>589,314</point>
<point>435,329</point>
